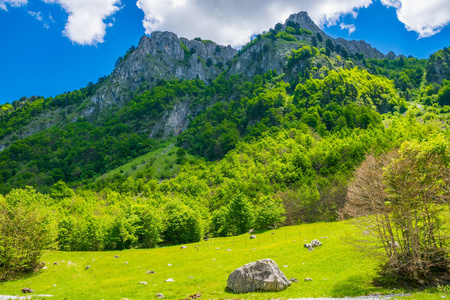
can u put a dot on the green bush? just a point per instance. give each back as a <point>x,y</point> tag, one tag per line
<point>183,225</point>
<point>269,213</point>
<point>27,229</point>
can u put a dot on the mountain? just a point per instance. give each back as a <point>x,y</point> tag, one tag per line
<point>211,97</point>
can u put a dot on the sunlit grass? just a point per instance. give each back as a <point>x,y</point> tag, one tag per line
<point>336,268</point>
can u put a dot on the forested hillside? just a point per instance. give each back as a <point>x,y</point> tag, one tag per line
<point>274,139</point>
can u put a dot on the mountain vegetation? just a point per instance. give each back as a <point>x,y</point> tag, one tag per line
<point>280,133</point>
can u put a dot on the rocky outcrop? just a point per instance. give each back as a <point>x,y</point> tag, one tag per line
<point>362,47</point>
<point>161,56</point>
<point>262,275</point>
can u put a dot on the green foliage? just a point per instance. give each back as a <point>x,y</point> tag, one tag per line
<point>269,213</point>
<point>443,97</point>
<point>285,36</point>
<point>355,85</point>
<point>26,231</point>
<point>240,214</point>
<point>183,225</point>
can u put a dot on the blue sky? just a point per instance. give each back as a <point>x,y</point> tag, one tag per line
<point>44,52</point>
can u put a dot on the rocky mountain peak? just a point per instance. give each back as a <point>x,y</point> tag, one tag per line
<point>302,18</point>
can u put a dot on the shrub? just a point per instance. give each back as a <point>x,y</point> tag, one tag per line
<point>183,225</point>
<point>402,198</point>
<point>269,213</point>
<point>27,229</point>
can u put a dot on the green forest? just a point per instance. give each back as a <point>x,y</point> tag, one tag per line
<point>270,150</point>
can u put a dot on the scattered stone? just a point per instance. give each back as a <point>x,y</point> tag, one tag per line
<point>310,248</point>
<point>273,233</point>
<point>27,290</point>
<point>69,263</point>
<point>126,263</point>
<point>293,279</point>
<point>151,272</point>
<point>143,282</point>
<point>285,266</point>
<point>316,243</point>
<point>262,275</point>
<point>217,248</point>
<point>308,279</point>
<point>117,256</point>
<point>183,247</point>
<point>169,265</point>
<point>159,295</point>
<point>194,296</point>
<point>366,232</point>
<point>251,231</point>
<point>253,237</point>
<point>170,280</point>
<point>191,277</point>
<point>228,249</point>
<point>55,264</point>
<point>93,260</point>
<point>54,285</point>
<point>44,268</point>
<point>312,245</point>
<point>88,267</point>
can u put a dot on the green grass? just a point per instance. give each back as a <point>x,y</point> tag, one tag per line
<point>336,268</point>
<point>161,162</point>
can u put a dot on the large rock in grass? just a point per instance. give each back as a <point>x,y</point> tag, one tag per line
<point>262,275</point>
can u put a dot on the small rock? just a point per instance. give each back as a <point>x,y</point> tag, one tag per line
<point>93,260</point>
<point>54,285</point>
<point>190,277</point>
<point>251,231</point>
<point>88,267</point>
<point>316,243</point>
<point>293,279</point>
<point>273,233</point>
<point>217,248</point>
<point>253,237</point>
<point>308,279</point>
<point>285,266</point>
<point>143,282</point>
<point>170,280</point>
<point>117,256</point>
<point>228,249</point>
<point>151,272</point>
<point>27,290</point>
<point>159,295</point>
<point>44,268</point>
<point>169,265</point>
<point>183,247</point>
<point>55,264</point>
<point>126,263</point>
<point>194,296</point>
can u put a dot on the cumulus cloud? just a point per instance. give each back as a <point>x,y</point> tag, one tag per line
<point>350,27</point>
<point>235,21</point>
<point>85,24</point>
<point>12,3</point>
<point>424,17</point>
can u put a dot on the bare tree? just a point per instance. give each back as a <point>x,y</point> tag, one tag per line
<point>401,200</point>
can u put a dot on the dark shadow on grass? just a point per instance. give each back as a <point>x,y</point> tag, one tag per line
<point>351,287</point>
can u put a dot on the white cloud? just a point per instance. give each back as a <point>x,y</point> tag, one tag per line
<point>426,17</point>
<point>350,27</point>
<point>12,3</point>
<point>235,21</point>
<point>85,24</point>
<point>37,15</point>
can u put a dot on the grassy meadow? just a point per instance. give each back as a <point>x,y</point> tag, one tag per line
<point>336,268</point>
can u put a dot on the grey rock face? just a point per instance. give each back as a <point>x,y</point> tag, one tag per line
<point>302,18</point>
<point>262,275</point>
<point>354,47</point>
<point>161,56</point>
